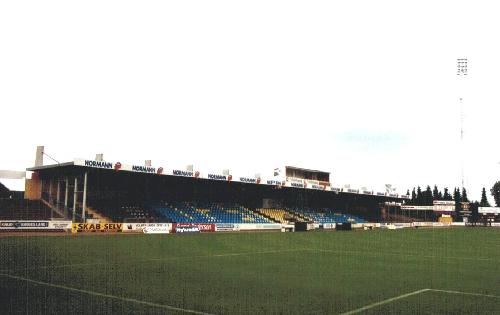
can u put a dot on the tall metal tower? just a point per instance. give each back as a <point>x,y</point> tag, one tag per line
<point>462,72</point>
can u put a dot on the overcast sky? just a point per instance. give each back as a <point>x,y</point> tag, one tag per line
<point>364,89</point>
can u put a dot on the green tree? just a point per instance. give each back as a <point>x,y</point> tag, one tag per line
<point>458,198</point>
<point>484,200</point>
<point>495,192</point>
<point>435,193</point>
<point>456,195</point>
<point>446,195</point>
<point>474,208</point>
<point>420,197</point>
<point>428,196</point>
<point>464,195</point>
<point>413,197</point>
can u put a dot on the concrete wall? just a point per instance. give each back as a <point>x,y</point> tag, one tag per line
<point>33,187</point>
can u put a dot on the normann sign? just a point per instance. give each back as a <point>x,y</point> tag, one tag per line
<point>98,164</point>
<point>143,169</point>
<point>109,165</point>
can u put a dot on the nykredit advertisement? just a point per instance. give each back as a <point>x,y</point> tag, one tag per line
<point>193,227</point>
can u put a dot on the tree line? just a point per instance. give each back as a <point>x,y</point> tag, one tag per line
<point>419,197</point>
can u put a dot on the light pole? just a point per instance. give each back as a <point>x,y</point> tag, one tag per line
<point>462,71</point>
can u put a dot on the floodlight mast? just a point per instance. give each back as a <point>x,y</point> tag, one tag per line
<point>462,72</point>
<point>462,138</point>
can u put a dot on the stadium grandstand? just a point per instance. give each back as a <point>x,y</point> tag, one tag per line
<point>256,273</point>
<point>13,206</point>
<point>98,190</point>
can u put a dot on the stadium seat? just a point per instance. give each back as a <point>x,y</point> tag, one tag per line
<point>183,212</point>
<point>325,215</point>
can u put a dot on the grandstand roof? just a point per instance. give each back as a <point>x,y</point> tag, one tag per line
<point>44,167</point>
<point>306,169</point>
<point>77,164</point>
<point>3,188</point>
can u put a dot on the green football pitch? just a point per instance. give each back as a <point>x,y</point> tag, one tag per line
<point>424,271</point>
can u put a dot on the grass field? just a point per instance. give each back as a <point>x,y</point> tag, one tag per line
<point>425,271</point>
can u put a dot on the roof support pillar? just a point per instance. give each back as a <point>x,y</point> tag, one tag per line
<point>58,194</point>
<point>75,197</point>
<point>66,197</point>
<point>84,201</point>
<point>50,191</point>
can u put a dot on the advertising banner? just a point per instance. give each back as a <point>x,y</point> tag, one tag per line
<point>249,180</point>
<point>422,224</point>
<point>403,225</point>
<point>35,225</point>
<point>272,226</point>
<point>205,227</point>
<point>226,227</point>
<point>23,225</point>
<point>489,210</point>
<point>263,226</point>
<point>183,173</point>
<point>60,225</point>
<point>193,227</point>
<point>319,187</point>
<point>350,190</point>
<point>93,227</point>
<point>444,205</point>
<point>328,226</point>
<point>139,227</point>
<point>96,164</point>
<point>217,177</point>
<point>273,182</point>
<point>156,230</point>
<point>371,225</point>
<point>117,166</point>
<point>418,208</point>
<point>185,228</point>
<point>140,169</point>
<point>294,182</point>
<point>443,202</point>
<point>443,208</point>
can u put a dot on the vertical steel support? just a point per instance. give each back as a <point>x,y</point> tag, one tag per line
<point>66,198</point>
<point>58,193</point>
<point>50,192</point>
<point>75,197</point>
<point>66,195</point>
<point>84,201</point>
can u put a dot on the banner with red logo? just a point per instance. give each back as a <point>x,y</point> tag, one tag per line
<point>202,227</point>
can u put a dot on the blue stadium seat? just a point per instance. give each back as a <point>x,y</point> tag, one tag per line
<point>184,212</point>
